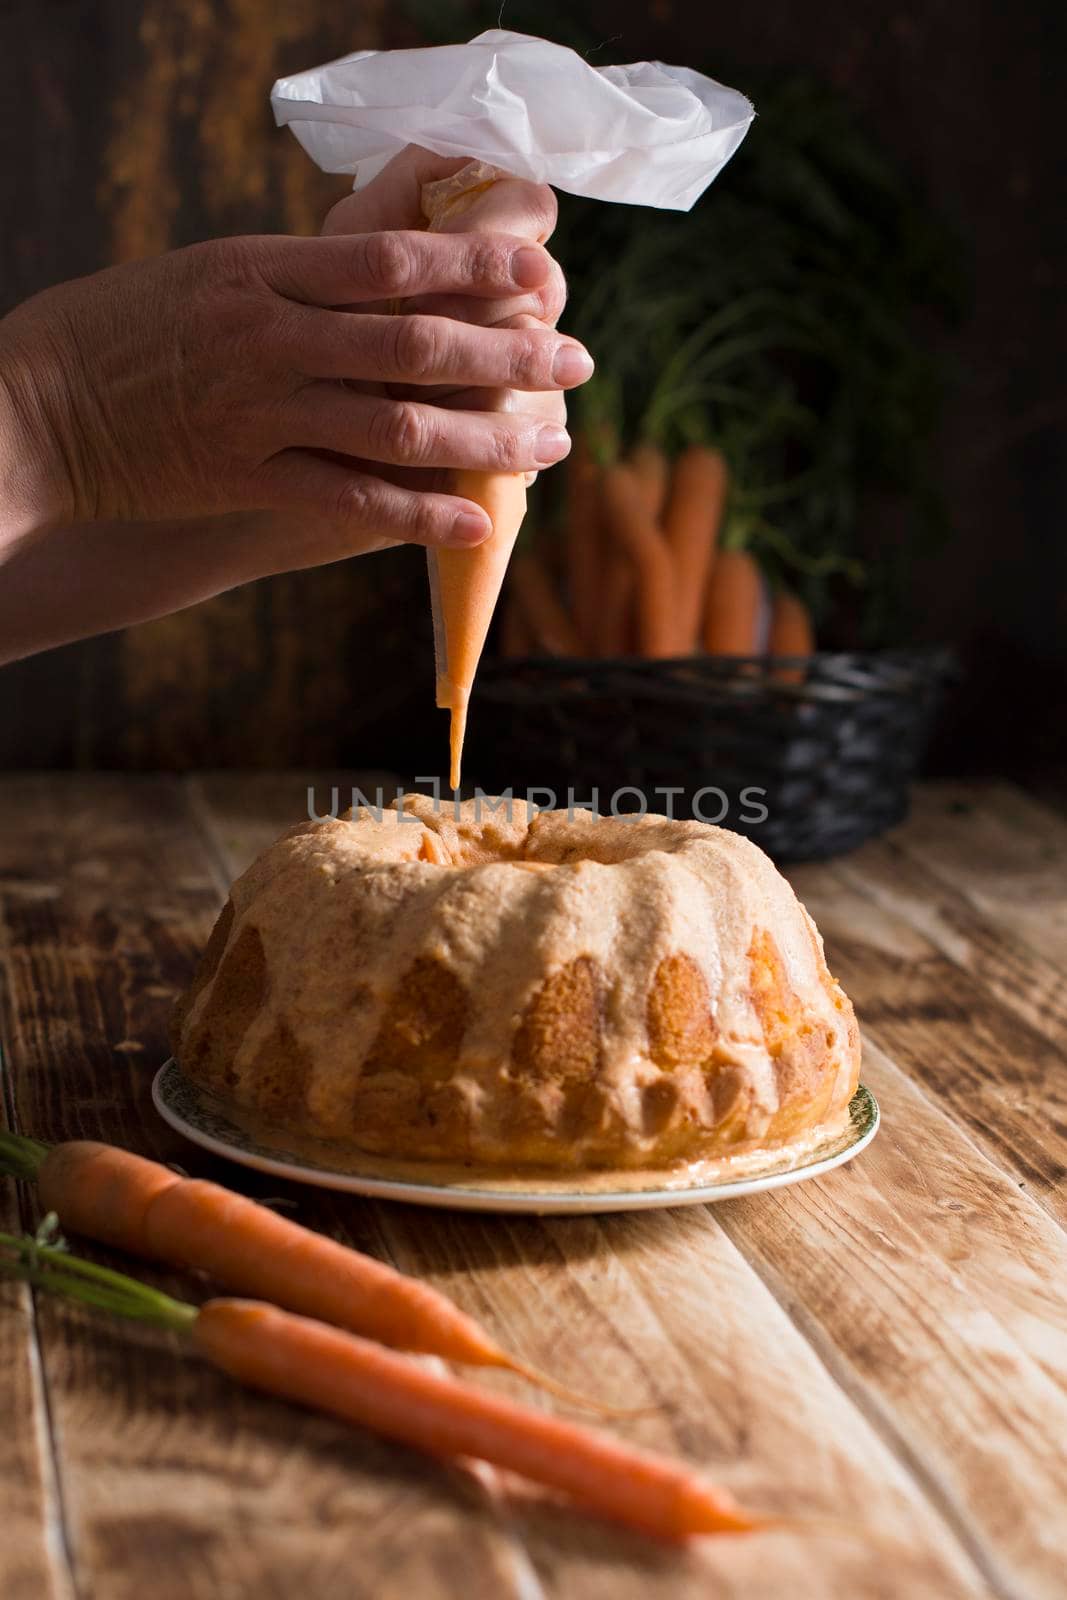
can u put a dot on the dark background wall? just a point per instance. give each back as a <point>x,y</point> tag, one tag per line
<point>129,128</point>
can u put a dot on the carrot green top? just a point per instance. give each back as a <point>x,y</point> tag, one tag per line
<point>20,1157</point>
<point>50,1267</point>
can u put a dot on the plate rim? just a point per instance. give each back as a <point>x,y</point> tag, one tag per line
<point>443,1197</point>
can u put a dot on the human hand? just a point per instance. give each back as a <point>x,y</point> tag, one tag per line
<point>219,379</point>
<point>512,206</point>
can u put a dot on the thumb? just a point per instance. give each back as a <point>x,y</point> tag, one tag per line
<point>394,198</point>
<point>510,205</point>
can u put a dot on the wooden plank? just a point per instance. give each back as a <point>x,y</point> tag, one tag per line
<point>997,1075</point>
<point>33,1564</point>
<point>108,896</point>
<point>1003,850</point>
<point>935,1287</point>
<point>662,1311</point>
<point>174,1480</point>
<point>1020,977</point>
<point>184,1481</point>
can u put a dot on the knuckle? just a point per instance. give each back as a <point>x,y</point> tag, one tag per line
<point>397,432</point>
<point>226,298</point>
<point>355,503</point>
<point>387,262</point>
<point>488,264</point>
<point>229,262</point>
<point>283,333</point>
<point>425,520</point>
<point>504,450</point>
<point>527,364</point>
<point>247,264</point>
<point>247,333</point>
<point>416,346</point>
<point>239,323</point>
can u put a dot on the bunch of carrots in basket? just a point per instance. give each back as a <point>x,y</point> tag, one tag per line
<point>327,1329</point>
<point>642,571</point>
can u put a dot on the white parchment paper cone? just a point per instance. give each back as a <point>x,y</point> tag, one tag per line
<point>647,133</point>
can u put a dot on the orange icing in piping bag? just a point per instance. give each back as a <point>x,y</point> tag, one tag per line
<point>465,584</point>
<point>464,588</point>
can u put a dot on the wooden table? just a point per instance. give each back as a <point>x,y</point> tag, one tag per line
<point>888,1344</point>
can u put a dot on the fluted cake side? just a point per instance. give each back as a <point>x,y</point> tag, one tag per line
<point>513,988</point>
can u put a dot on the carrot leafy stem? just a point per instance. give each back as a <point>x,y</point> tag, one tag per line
<point>20,1157</point>
<point>50,1267</point>
<point>786,322</point>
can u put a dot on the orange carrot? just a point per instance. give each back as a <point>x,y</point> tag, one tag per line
<point>691,524</point>
<point>792,633</point>
<point>362,1383</point>
<point>653,474</point>
<point>347,1377</point>
<point>541,609</point>
<point>584,541</point>
<point>734,605</point>
<point>614,630</point>
<point>123,1200</point>
<point>638,535</point>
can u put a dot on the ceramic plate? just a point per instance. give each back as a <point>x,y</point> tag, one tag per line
<point>197,1115</point>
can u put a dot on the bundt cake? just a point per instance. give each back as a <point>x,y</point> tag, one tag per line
<point>513,988</point>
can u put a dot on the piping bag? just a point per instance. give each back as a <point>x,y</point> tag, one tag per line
<point>515,106</point>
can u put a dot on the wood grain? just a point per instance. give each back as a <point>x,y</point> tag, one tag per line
<point>1006,852</point>
<point>174,1480</point>
<point>932,1284</point>
<point>1018,975</point>
<point>663,1310</point>
<point>885,1346</point>
<point>33,1564</point>
<point>1000,1077</point>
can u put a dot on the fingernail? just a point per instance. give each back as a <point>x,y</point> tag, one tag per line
<point>469,528</point>
<point>573,364</point>
<point>529,268</point>
<point>552,445</point>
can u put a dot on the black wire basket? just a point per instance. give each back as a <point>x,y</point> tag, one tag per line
<point>807,757</point>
